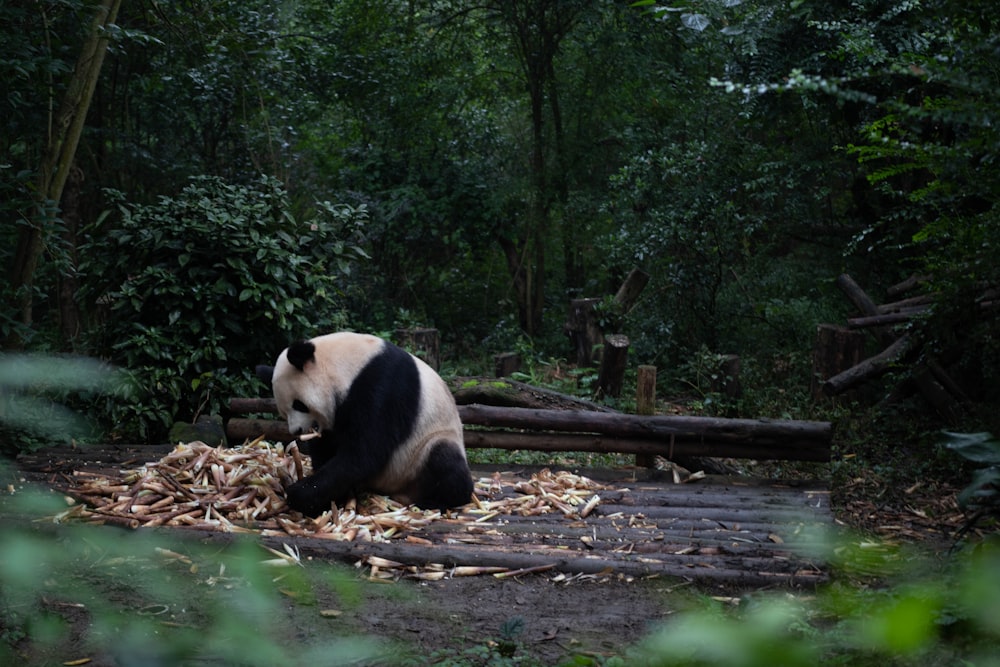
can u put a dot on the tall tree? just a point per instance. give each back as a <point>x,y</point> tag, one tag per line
<point>535,30</point>
<point>63,132</point>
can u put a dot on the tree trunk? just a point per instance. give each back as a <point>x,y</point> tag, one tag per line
<point>423,343</point>
<point>64,137</point>
<point>69,313</point>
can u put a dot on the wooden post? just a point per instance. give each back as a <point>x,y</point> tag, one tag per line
<point>424,343</point>
<point>836,349</point>
<point>583,331</point>
<point>612,374</point>
<point>645,404</point>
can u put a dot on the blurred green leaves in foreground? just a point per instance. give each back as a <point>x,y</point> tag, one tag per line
<point>75,591</point>
<point>919,610</point>
<point>40,394</point>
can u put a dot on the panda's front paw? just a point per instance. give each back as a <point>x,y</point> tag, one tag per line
<point>305,497</point>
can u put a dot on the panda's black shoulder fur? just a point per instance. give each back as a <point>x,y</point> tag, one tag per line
<point>382,404</point>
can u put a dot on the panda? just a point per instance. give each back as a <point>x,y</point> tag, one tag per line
<point>387,423</point>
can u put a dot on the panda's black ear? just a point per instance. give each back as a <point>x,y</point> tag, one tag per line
<point>301,352</point>
<point>265,373</point>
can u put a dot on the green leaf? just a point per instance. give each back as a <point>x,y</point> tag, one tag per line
<point>979,447</point>
<point>247,294</point>
<point>983,489</point>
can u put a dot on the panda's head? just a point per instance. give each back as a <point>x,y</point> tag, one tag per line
<point>302,397</point>
<point>311,376</point>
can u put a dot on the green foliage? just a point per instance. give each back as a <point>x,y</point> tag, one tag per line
<point>39,394</point>
<point>152,599</point>
<point>201,286</point>
<point>982,495</point>
<point>926,617</point>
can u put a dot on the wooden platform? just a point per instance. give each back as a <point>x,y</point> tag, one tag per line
<point>745,532</point>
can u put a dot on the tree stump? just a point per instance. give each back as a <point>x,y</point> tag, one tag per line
<point>613,360</point>
<point>584,331</point>
<point>423,343</point>
<point>836,350</point>
<point>506,363</point>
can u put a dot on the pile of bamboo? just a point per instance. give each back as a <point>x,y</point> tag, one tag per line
<point>241,489</point>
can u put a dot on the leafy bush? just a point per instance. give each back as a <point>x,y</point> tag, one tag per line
<point>982,495</point>
<point>200,287</point>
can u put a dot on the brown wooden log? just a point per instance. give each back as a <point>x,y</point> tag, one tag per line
<point>423,343</point>
<point>903,287</point>
<point>929,387</point>
<point>613,361</point>
<point>628,293</point>
<point>667,436</point>
<point>466,390</point>
<point>738,570</point>
<point>895,306</point>
<point>645,404</point>
<point>678,427</point>
<point>656,427</point>
<point>836,350</point>
<point>677,449</point>
<point>868,369</point>
<point>887,319</point>
<point>856,295</point>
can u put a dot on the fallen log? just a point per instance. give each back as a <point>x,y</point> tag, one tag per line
<point>868,369</point>
<point>679,427</point>
<point>466,390</point>
<point>930,387</point>
<point>913,301</point>
<point>658,426</point>
<point>887,319</point>
<point>672,450</point>
<point>856,295</point>
<point>744,570</point>
<point>909,284</point>
<point>681,450</point>
<point>667,436</point>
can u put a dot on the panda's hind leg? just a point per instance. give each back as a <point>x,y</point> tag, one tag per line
<point>445,480</point>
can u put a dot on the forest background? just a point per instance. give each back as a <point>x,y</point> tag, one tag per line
<point>187,186</point>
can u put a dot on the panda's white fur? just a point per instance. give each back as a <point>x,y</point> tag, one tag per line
<point>387,420</point>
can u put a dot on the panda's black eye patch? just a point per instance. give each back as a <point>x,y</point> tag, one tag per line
<point>299,406</point>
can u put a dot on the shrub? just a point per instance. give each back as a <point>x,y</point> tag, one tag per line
<point>200,287</point>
